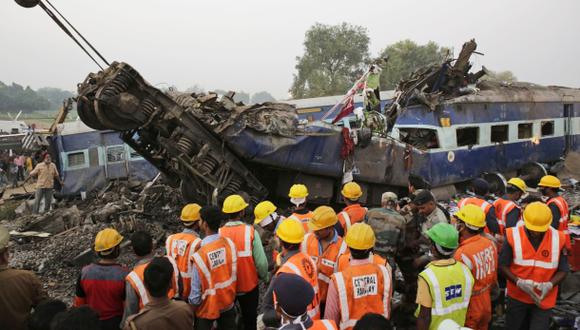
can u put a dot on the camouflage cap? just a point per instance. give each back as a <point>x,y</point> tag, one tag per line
<point>4,237</point>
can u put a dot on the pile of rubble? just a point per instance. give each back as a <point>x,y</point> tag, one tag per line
<point>57,244</point>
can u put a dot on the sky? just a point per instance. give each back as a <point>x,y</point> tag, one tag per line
<point>252,45</point>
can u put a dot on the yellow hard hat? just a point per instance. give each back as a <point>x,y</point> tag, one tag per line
<point>360,237</point>
<point>472,215</point>
<point>537,217</point>
<point>290,231</point>
<point>190,212</point>
<point>549,181</point>
<point>262,210</point>
<point>323,217</point>
<point>298,191</point>
<point>518,183</point>
<point>351,190</point>
<point>233,204</point>
<point>107,239</point>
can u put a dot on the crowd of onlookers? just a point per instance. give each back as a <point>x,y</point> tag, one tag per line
<point>15,167</point>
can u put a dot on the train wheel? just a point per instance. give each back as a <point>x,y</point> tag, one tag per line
<point>531,173</point>
<point>497,183</point>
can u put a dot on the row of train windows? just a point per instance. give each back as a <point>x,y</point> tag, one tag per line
<point>114,154</point>
<point>424,138</point>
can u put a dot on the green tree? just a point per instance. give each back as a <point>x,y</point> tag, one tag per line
<point>334,58</point>
<point>407,56</point>
<point>54,95</point>
<point>500,76</point>
<point>261,97</point>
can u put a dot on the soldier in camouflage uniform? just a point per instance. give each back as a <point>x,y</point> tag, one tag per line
<point>389,228</point>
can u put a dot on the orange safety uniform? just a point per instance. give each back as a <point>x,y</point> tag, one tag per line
<point>344,261</point>
<point>181,247</point>
<point>217,265</point>
<point>301,264</point>
<point>482,204</point>
<point>304,218</point>
<point>363,289</point>
<point>480,255</point>
<point>243,237</point>
<point>350,215</point>
<point>136,279</point>
<point>323,325</point>
<point>327,262</point>
<point>564,214</point>
<point>502,208</point>
<point>538,265</point>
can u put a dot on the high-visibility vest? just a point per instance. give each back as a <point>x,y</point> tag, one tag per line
<point>217,266</point>
<point>450,288</point>
<point>479,254</point>
<point>363,289</point>
<point>326,263</point>
<point>482,204</point>
<point>243,237</point>
<point>502,208</point>
<point>323,325</point>
<point>136,279</point>
<point>344,261</point>
<point>562,205</point>
<point>350,215</point>
<point>301,264</point>
<point>530,264</point>
<point>181,247</point>
<point>303,218</point>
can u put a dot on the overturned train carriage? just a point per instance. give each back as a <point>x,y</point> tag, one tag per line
<point>213,147</point>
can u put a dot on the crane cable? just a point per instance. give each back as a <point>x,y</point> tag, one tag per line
<point>69,33</point>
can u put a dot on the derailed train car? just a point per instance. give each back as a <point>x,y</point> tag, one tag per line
<point>442,124</point>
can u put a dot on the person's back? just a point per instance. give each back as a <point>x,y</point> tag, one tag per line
<point>101,285</point>
<point>161,312</point>
<point>389,228</point>
<point>44,313</point>
<point>20,290</point>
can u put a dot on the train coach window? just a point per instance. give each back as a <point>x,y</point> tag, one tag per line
<point>76,159</point>
<point>467,136</point>
<point>499,133</point>
<point>420,138</point>
<point>547,128</point>
<point>115,154</point>
<point>525,131</point>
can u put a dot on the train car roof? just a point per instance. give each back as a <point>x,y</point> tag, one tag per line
<point>73,127</point>
<point>331,100</point>
<point>493,92</point>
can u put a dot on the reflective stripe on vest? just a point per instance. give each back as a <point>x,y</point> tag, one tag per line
<point>437,308</point>
<point>483,205</point>
<point>141,291</point>
<point>211,290</point>
<point>345,320</point>
<point>519,259</point>
<point>327,324</point>
<point>175,275</point>
<point>346,218</point>
<point>564,211</point>
<point>192,249</point>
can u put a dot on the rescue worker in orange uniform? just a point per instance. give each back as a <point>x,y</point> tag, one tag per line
<point>181,246</point>
<point>507,211</point>
<point>534,264</point>
<point>550,186</point>
<point>480,255</point>
<point>362,288</point>
<point>293,307</point>
<point>136,295</point>
<point>252,261</point>
<point>299,197</point>
<point>480,188</point>
<point>353,212</point>
<point>324,246</point>
<point>214,275</point>
<point>291,260</point>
